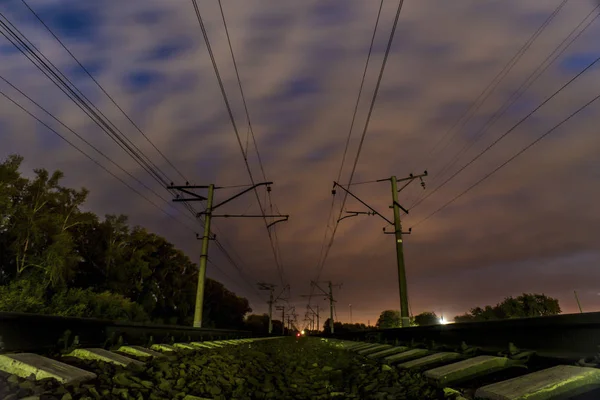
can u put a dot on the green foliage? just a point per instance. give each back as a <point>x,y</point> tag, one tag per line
<point>389,319</point>
<point>26,296</point>
<point>259,324</point>
<point>47,240</point>
<point>88,304</point>
<point>22,296</point>
<point>526,305</point>
<point>339,327</point>
<point>426,318</point>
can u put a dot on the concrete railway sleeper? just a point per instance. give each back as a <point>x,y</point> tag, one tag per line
<point>292,368</point>
<point>468,374</point>
<point>35,377</point>
<point>255,368</point>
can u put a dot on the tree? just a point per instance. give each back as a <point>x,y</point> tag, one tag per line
<point>525,305</point>
<point>427,318</point>
<point>50,250</point>
<point>222,308</point>
<point>257,323</point>
<point>389,319</point>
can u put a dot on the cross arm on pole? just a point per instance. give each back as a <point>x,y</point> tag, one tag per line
<point>409,178</point>
<point>286,287</point>
<point>319,287</point>
<point>239,194</point>
<point>184,189</point>
<point>248,216</point>
<point>365,204</point>
<point>356,214</point>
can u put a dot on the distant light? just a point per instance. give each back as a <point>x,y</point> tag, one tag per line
<point>297,334</point>
<point>443,321</point>
<point>302,332</point>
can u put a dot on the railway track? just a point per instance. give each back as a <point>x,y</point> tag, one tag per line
<point>535,358</point>
<point>553,357</point>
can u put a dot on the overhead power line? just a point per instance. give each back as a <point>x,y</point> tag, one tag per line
<point>530,80</point>
<point>527,147</point>
<point>513,128</point>
<point>362,139</point>
<point>94,161</point>
<point>232,119</point>
<point>534,76</point>
<point>489,89</point>
<point>509,160</point>
<point>76,134</point>
<point>277,253</point>
<point>75,95</point>
<point>358,97</point>
<point>103,90</point>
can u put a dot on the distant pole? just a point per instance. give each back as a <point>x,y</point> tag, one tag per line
<point>318,326</point>
<point>400,256</point>
<point>578,303</point>
<point>209,215</point>
<point>331,306</point>
<point>404,308</point>
<point>203,259</point>
<point>271,312</point>
<point>350,312</point>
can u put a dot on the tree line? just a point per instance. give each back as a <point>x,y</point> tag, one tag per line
<point>56,258</point>
<point>523,306</point>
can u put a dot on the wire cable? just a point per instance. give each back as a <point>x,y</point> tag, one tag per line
<point>514,127</point>
<point>531,79</point>
<point>103,90</point>
<point>232,119</point>
<point>362,83</point>
<point>509,160</point>
<point>80,137</point>
<point>470,112</point>
<point>339,175</point>
<point>75,95</point>
<point>277,251</point>
<point>362,139</point>
<point>94,160</point>
<point>489,89</point>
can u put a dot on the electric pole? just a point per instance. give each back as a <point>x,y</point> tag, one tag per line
<point>402,285</point>
<point>270,287</point>
<point>400,255</point>
<point>329,296</point>
<point>282,309</point>
<point>208,215</point>
<point>350,305</point>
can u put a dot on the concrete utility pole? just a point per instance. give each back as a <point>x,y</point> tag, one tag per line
<point>400,255</point>
<point>282,309</point>
<point>404,309</point>
<point>208,213</point>
<point>350,305</point>
<point>270,287</point>
<point>578,303</point>
<point>315,314</point>
<point>203,259</point>
<point>329,296</point>
<point>291,315</point>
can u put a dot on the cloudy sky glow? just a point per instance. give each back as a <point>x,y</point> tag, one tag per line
<point>531,227</point>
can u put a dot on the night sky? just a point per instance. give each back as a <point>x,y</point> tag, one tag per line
<point>534,226</point>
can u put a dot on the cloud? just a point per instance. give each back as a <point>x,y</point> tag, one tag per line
<point>530,227</point>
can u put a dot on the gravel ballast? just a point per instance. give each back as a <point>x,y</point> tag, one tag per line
<point>287,368</point>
